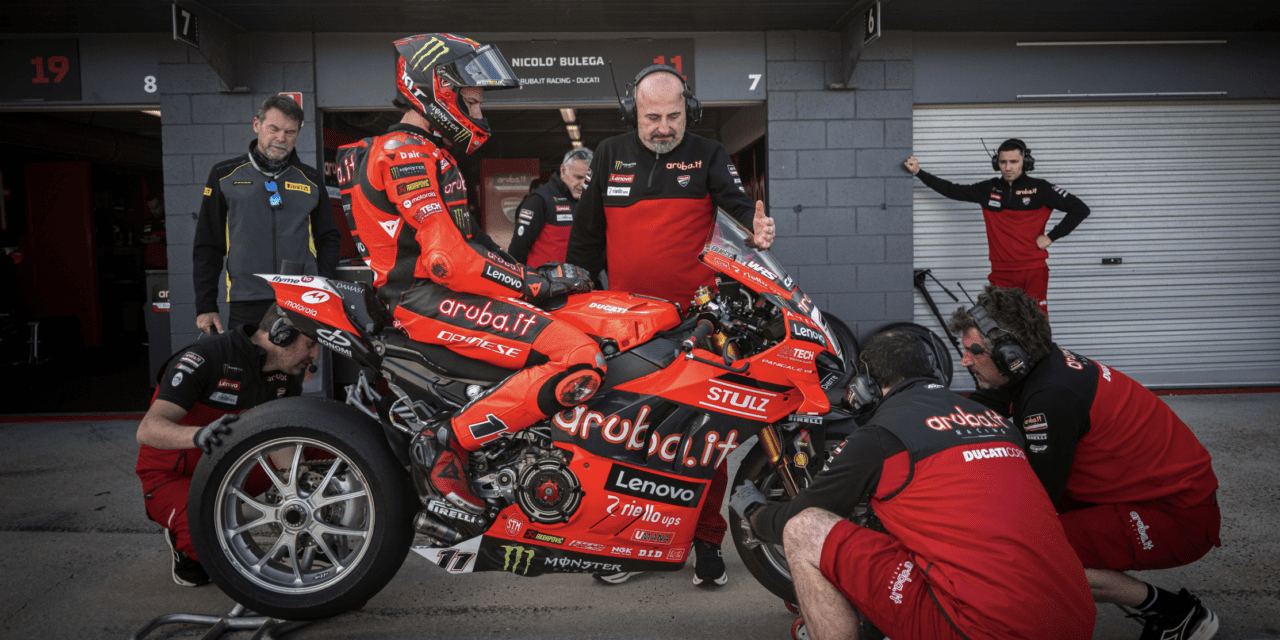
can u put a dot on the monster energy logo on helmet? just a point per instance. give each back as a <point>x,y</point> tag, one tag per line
<point>519,553</point>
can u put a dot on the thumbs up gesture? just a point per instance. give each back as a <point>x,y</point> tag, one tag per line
<point>763,227</point>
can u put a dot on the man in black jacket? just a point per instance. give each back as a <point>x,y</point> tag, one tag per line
<point>546,214</point>
<point>1016,208</point>
<point>645,213</point>
<point>260,208</point>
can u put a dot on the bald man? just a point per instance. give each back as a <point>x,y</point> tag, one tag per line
<point>648,207</point>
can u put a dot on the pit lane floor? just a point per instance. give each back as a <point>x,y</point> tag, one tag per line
<point>78,559</point>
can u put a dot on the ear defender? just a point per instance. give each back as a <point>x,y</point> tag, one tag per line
<point>1028,162</point>
<point>692,107</point>
<point>1009,355</point>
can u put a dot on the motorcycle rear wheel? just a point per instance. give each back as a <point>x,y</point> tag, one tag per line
<point>303,512</point>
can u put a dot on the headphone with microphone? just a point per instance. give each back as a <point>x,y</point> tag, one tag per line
<point>1008,354</point>
<point>1028,162</point>
<point>863,392</point>
<point>627,104</point>
<point>282,333</point>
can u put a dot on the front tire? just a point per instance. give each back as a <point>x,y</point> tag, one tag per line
<point>304,512</point>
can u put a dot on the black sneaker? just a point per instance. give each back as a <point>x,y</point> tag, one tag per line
<point>186,571</point>
<point>1193,622</point>
<point>708,564</point>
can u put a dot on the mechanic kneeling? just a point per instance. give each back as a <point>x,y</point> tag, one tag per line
<point>202,389</point>
<point>1133,486</point>
<point>973,549</point>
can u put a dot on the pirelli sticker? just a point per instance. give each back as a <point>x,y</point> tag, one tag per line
<point>293,186</point>
<point>208,191</point>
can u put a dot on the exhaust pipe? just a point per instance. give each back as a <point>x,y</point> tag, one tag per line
<point>428,525</point>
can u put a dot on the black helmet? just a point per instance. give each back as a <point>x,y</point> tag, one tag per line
<point>432,67</point>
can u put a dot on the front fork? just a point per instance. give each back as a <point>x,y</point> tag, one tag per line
<point>773,450</point>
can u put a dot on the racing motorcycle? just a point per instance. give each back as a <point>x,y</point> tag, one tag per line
<point>310,507</point>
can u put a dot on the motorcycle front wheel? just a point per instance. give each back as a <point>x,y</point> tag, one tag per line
<point>303,512</point>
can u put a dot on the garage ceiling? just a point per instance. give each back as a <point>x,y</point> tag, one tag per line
<point>597,16</point>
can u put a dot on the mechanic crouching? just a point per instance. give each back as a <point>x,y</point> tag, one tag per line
<point>202,389</point>
<point>972,547</point>
<point>1134,488</point>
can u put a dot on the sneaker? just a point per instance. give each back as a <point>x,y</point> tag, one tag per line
<point>708,564</point>
<point>615,578</point>
<point>186,571</point>
<point>449,477</point>
<point>1197,622</point>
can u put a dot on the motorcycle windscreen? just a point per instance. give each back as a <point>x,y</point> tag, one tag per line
<point>727,252</point>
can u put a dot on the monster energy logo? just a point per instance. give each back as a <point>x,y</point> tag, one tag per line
<point>519,555</point>
<point>432,46</point>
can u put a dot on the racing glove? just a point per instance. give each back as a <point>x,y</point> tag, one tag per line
<point>553,279</point>
<point>210,435</point>
<point>746,499</point>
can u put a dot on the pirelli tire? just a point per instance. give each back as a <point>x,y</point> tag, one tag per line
<point>325,534</point>
<point>767,562</point>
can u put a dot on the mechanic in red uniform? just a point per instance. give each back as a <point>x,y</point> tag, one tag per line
<point>207,385</point>
<point>646,213</point>
<point>448,282</point>
<point>1133,486</point>
<point>972,549</point>
<point>1015,208</point>
<point>546,214</point>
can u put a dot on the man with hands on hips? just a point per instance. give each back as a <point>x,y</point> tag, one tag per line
<point>201,391</point>
<point>1015,208</point>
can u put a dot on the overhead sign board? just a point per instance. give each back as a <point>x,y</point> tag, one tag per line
<point>41,70</point>
<point>871,20</point>
<point>576,71</point>
<point>186,26</point>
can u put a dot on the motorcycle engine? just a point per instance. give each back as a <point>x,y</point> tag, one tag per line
<point>529,471</point>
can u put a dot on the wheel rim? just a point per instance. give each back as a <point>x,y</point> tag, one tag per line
<point>298,530</point>
<point>773,553</point>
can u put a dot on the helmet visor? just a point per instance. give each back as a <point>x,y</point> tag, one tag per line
<point>486,68</point>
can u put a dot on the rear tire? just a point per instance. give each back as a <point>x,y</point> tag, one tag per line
<point>321,537</point>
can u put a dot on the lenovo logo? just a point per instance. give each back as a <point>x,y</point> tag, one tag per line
<point>651,486</point>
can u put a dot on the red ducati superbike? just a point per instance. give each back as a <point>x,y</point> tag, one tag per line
<point>311,506</point>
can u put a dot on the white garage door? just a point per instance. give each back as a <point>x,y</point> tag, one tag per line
<point>1187,196</point>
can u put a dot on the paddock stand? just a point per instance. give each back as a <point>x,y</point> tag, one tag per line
<point>240,619</point>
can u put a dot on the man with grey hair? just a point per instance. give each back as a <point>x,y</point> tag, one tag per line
<point>260,208</point>
<point>546,215</point>
<point>645,213</point>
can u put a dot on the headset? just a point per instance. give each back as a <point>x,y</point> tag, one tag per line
<point>863,392</point>
<point>1008,354</point>
<point>282,332</point>
<point>1028,162</point>
<point>627,104</point>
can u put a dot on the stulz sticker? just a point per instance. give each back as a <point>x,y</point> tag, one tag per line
<point>651,486</point>
<point>738,400</point>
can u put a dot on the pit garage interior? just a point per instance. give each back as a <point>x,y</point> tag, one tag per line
<point>816,113</point>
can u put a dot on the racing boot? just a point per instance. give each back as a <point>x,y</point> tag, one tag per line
<point>448,475</point>
<point>440,473</point>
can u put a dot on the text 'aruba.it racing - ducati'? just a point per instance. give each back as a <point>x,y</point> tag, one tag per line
<point>310,507</point>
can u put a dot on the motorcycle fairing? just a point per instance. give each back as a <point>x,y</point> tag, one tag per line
<point>317,308</point>
<point>627,319</point>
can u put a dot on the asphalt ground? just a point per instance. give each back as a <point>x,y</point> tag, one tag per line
<point>79,559</point>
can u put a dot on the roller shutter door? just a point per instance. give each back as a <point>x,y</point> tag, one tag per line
<point>1186,194</point>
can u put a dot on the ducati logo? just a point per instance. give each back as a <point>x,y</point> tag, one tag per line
<point>683,181</point>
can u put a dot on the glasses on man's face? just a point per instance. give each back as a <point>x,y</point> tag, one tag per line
<point>976,349</point>
<point>275,200</point>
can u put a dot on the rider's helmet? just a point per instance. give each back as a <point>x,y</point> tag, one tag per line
<point>431,68</point>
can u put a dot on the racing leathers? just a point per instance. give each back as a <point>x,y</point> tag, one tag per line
<point>451,285</point>
<point>967,520</point>
<point>210,378</point>
<point>645,215</point>
<point>542,226</point>
<point>1015,215</point>
<point>1096,437</point>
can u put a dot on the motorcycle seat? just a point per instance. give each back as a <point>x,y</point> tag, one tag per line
<point>441,360</point>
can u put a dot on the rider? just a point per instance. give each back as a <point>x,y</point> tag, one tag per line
<point>448,282</point>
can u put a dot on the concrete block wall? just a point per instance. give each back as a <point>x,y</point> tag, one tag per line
<point>837,188</point>
<point>201,125</point>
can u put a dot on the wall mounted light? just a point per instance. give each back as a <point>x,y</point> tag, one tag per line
<point>574,132</point>
<point>569,116</point>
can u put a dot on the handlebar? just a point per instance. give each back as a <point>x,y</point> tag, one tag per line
<point>701,331</point>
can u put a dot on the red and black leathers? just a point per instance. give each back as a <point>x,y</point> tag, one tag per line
<point>210,378</point>
<point>543,223</point>
<point>652,213</point>
<point>1015,215</point>
<point>950,481</point>
<point>1095,436</point>
<point>450,285</point>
